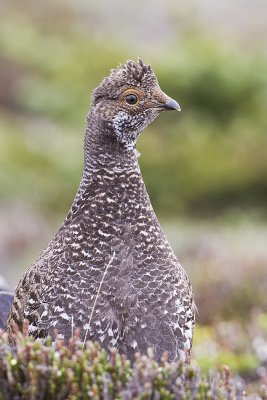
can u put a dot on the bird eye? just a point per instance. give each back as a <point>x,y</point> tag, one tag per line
<point>131,99</point>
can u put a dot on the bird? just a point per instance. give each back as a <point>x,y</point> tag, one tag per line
<point>6,300</point>
<point>110,272</point>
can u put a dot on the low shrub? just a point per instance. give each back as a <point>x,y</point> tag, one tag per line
<point>45,370</point>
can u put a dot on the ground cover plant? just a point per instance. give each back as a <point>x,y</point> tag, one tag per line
<point>35,370</point>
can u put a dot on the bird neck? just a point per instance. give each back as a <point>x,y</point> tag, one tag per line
<point>103,153</point>
<point>102,149</point>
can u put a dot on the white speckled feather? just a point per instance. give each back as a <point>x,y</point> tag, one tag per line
<point>110,270</point>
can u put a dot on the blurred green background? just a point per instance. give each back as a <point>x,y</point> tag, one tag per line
<point>205,168</point>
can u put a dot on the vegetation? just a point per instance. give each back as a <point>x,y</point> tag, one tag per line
<point>207,164</point>
<point>34,370</point>
<point>210,158</point>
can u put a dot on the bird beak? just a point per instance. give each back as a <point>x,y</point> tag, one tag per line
<point>171,105</point>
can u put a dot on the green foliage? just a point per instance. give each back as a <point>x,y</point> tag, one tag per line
<point>36,370</point>
<point>210,158</point>
<point>241,346</point>
<point>213,156</point>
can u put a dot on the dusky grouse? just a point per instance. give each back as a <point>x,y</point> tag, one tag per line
<point>110,270</point>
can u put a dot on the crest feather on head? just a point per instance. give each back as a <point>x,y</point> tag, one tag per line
<point>129,74</point>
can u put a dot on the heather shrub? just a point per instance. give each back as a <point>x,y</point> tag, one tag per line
<point>36,370</point>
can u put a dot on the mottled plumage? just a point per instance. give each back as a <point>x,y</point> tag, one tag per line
<point>110,270</point>
<point>6,299</point>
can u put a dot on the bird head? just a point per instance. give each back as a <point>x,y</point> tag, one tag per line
<point>128,100</point>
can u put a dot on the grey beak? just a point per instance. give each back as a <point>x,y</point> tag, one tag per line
<point>171,105</point>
